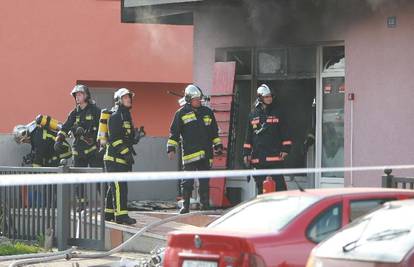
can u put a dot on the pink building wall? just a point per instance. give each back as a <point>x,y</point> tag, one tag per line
<point>47,46</point>
<point>379,70</point>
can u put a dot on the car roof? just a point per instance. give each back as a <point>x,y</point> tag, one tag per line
<point>329,192</point>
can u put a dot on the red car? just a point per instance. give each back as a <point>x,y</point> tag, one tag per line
<point>278,229</point>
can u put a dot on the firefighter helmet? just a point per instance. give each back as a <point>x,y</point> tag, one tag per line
<point>192,91</point>
<point>120,93</point>
<point>21,133</point>
<point>263,90</point>
<point>83,89</point>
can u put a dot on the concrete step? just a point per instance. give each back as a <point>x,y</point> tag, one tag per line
<point>115,234</point>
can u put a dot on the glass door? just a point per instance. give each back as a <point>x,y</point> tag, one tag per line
<point>331,98</point>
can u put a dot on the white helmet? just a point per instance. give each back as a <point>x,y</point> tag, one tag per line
<point>192,91</point>
<point>120,93</point>
<point>263,90</point>
<point>83,89</point>
<point>21,133</point>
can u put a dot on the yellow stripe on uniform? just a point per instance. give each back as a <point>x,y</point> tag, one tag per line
<point>126,125</point>
<point>188,117</point>
<point>171,142</point>
<point>217,141</point>
<point>194,157</point>
<point>87,151</point>
<point>117,143</point>
<point>118,210</point>
<point>117,160</point>
<point>125,151</point>
<point>66,155</point>
<point>47,135</point>
<point>117,198</point>
<point>109,210</point>
<point>207,120</point>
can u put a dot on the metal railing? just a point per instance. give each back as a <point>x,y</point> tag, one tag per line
<point>391,181</point>
<point>65,215</point>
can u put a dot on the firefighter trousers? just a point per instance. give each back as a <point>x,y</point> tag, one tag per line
<point>92,161</point>
<point>117,193</point>
<point>187,185</point>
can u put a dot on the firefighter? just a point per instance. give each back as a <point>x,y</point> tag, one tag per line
<point>267,142</point>
<point>82,123</point>
<point>119,155</point>
<point>42,140</point>
<point>195,126</point>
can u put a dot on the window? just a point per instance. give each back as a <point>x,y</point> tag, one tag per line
<point>243,59</point>
<point>333,58</point>
<point>264,215</point>
<point>325,224</point>
<point>272,62</point>
<point>362,207</point>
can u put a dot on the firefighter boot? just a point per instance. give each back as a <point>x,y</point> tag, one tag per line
<point>204,201</point>
<point>186,203</point>
<point>109,216</point>
<point>125,220</point>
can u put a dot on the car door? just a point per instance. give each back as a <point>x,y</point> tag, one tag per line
<point>317,223</point>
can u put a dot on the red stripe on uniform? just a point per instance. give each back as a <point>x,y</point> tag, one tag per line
<point>287,143</point>
<point>247,146</point>
<point>273,159</point>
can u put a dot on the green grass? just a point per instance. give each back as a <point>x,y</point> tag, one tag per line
<point>18,248</point>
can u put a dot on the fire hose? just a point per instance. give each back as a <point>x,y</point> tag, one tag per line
<point>72,254</point>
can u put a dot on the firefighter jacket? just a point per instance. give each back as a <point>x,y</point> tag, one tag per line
<point>85,140</point>
<point>197,130</point>
<point>43,152</point>
<point>267,135</point>
<point>121,137</point>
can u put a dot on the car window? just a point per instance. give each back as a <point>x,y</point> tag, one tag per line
<point>385,235</point>
<point>264,215</point>
<point>325,224</point>
<point>362,207</point>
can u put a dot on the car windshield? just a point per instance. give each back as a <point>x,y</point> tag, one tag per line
<point>374,236</point>
<point>264,215</point>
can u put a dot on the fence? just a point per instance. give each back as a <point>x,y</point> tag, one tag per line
<point>66,215</point>
<point>391,181</point>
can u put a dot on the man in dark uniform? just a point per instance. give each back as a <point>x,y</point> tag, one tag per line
<point>196,128</point>
<point>119,156</point>
<point>82,123</point>
<point>42,140</point>
<point>267,142</point>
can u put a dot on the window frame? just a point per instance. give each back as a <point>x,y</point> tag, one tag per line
<point>340,205</point>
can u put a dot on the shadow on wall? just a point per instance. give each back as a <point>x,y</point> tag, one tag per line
<point>151,156</point>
